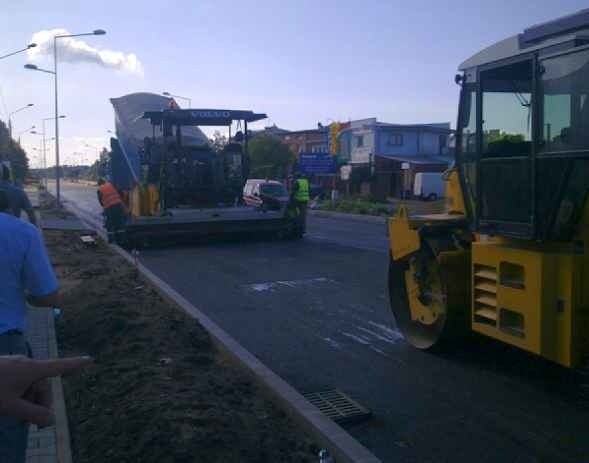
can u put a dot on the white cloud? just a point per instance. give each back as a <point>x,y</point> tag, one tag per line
<point>74,50</point>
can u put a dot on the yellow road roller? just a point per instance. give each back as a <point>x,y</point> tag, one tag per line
<point>509,257</point>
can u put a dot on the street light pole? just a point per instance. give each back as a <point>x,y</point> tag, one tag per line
<point>181,97</point>
<point>30,45</point>
<point>54,72</point>
<point>27,130</point>
<point>44,138</point>
<point>12,114</point>
<point>57,168</point>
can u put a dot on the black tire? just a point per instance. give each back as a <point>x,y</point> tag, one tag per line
<point>421,336</point>
<point>432,197</point>
<point>453,326</point>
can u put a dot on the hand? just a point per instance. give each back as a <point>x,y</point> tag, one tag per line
<point>24,389</point>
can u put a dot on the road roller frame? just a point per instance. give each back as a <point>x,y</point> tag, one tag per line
<point>511,254</point>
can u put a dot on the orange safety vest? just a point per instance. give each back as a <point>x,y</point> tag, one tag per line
<point>109,195</point>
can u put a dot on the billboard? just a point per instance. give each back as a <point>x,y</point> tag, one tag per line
<point>317,163</point>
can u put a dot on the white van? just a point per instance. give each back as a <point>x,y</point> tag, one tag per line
<point>428,185</point>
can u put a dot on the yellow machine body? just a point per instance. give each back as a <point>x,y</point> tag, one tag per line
<point>528,294</point>
<point>517,205</point>
<point>144,200</point>
<point>531,296</point>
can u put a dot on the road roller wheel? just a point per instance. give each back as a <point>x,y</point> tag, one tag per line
<point>427,313</point>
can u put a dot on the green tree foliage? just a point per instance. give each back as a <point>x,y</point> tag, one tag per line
<point>11,151</point>
<point>218,141</point>
<point>269,157</point>
<point>100,166</point>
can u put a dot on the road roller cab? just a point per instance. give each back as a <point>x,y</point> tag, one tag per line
<point>510,255</point>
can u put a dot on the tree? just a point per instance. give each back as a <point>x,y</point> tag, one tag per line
<point>100,166</point>
<point>218,141</point>
<point>11,151</point>
<point>269,157</point>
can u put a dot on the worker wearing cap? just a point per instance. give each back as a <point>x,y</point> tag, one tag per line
<point>25,273</point>
<point>114,210</point>
<point>300,196</point>
<point>17,198</point>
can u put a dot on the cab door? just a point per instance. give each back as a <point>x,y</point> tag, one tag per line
<point>505,188</point>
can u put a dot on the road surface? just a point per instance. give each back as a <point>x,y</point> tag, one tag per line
<point>316,312</point>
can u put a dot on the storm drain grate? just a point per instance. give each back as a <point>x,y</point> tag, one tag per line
<point>337,406</point>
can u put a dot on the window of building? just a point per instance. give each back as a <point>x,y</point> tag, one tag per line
<point>396,139</point>
<point>359,141</point>
<point>318,149</point>
<point>442,143</point>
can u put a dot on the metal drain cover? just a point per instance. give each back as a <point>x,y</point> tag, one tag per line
<point>337,406</point>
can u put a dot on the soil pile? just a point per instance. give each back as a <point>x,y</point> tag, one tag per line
<point>159,391</point>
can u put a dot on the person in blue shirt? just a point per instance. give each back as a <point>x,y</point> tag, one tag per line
<point>25,273</point>
<point>17,198</point>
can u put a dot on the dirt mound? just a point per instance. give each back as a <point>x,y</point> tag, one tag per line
<point>159,391</point>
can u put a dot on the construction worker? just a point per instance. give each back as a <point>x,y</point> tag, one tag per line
<point>114,210</point>
<point>25,273</point>
<point>17,198</point>
<point>300,196</point>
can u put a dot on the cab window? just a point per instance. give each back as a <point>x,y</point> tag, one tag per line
<point>565,113</point>
<point>507,110</point>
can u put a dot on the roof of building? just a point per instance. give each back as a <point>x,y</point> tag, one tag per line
<point>417,159</point>
<point>438,127</point>
<point>306,131</point>
<point>441,126</point>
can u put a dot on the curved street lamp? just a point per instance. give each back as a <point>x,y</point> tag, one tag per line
<point>178,96</point>
<point>30,45</point>
<point>54,72</point>
<point>32,127</point>
<point>13,113</point>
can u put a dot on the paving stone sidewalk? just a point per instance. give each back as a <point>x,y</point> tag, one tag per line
<point>51,444</point>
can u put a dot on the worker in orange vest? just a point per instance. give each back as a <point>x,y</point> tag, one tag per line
<point>114,211</point>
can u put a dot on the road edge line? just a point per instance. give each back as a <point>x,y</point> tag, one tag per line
<point>344,447</point>
<point>62,430</point>
<point>365,218</point>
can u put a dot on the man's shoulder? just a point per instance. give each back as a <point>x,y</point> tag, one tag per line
<point>13,224</point>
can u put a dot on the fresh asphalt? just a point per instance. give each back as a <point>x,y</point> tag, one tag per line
<point>316,312</point>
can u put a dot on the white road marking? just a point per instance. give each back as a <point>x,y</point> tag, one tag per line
<point>382,337</point>
<point>274,285</point>
<point>332,343</point>
<point>390,332</point>
<point>378,351</point>
<point>357,338</point>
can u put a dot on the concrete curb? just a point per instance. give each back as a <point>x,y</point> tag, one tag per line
<point>345,216</point>
<point>328,434</point>
<point>62,431</point>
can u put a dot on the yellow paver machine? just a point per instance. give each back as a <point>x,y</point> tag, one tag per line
<point>509,258</point>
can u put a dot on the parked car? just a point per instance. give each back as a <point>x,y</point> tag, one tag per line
<point>258,191</point>
<point>428,186</point>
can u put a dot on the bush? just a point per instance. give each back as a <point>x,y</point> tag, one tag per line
<point>355,206</point>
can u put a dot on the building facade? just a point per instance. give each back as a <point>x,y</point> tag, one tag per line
<point>306,141</point>
<point>386,157</point>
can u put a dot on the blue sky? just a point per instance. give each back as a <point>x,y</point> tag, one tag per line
<point>299,61</point>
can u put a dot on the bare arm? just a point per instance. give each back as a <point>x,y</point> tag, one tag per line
<point>50,300</point>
